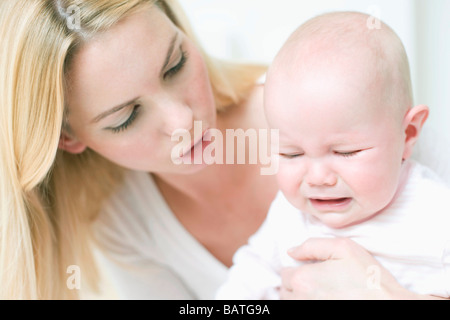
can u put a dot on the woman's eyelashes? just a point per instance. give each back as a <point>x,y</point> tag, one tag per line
<point>178,67</point>
<point>169,74</point>
<point>129,121</point>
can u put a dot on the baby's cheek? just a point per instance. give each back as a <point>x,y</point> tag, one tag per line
<point>289,182</point>
<point>376,192</point>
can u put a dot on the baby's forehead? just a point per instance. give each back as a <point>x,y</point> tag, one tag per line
<point>342,45</point>
<point>335,43</point>
<point>332,70</point>
<point>339,28</point>
<point>342,35</point>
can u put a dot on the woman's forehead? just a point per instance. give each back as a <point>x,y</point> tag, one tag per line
<point>116,62</point>
<point>150,25</point>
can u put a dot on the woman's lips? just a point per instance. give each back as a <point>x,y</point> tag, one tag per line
<point>330,204</point>
<point>193,145</point>
<point>198,144</point>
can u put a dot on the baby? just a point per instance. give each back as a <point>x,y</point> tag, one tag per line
<point>340,94</point>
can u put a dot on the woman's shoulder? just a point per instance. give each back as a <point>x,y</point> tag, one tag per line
<point>249,114</point>
<point>130,210</point>
<point>136,190</point>
<point>261,80</point>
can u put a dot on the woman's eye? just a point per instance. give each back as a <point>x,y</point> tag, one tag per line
<point>129,121</point>
<point>290,156</point>
<point>173,71</point>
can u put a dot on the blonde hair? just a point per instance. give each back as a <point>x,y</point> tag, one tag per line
<point>48,198</point>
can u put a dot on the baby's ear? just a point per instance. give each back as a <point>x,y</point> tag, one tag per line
<point>71,144</point>
<point>412,124</point>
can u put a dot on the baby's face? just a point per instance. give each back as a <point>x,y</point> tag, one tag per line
<point>340,149</point>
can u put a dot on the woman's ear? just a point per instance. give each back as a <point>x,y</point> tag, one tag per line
<point>412,124</point>
<point>69,143</point>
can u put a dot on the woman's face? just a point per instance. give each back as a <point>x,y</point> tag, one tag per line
<point>130,88</point>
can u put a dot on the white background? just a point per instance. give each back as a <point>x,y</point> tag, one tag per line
<point>254,30</point>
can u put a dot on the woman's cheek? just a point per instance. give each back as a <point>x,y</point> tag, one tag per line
<point>198,88</point>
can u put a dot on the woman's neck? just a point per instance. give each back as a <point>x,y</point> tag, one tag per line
<point>223,201</point>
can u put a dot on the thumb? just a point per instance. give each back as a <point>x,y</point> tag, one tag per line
<point>321,249</point>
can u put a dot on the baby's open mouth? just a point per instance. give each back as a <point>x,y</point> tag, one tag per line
<point>330,203</point>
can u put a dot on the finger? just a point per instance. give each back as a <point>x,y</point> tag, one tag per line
<point>321,249</point>
<point>293,285</point>
<point>286,294</point>
<point>286,278</point>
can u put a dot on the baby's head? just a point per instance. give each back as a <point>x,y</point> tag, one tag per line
<point>340,94</point>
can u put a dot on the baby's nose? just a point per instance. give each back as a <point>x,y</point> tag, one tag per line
<point>320,174</point>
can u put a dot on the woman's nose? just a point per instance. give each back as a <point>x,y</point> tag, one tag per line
<point>320,174</point>
<point>176,116</point>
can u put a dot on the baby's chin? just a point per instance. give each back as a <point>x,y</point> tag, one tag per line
<point>341,220</point>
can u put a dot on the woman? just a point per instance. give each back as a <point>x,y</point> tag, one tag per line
<point>91,94</point>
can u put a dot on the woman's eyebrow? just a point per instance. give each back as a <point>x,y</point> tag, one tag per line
<point>126,104</point>
<point>170,51</point>
<point>113,110</point>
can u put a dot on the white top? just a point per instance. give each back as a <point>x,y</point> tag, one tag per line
<point>150,254</point>
<point>411,238</point>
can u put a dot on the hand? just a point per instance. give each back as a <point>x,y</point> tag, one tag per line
<point>338,269</point>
